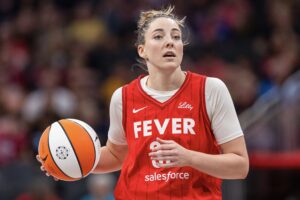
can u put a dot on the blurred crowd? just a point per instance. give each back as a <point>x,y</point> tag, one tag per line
<point>64,58</point>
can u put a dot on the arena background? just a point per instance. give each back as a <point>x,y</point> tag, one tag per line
<point>64,58</point>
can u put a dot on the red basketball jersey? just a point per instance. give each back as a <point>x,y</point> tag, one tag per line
<point>182,118</point>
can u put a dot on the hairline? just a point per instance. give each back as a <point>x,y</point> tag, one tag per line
<point>147,26</point>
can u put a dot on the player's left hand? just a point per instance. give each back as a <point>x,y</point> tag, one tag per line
<point>43,168</point>
<point>171,153</point>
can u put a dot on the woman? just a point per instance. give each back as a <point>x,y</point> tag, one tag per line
<point>173,134</point>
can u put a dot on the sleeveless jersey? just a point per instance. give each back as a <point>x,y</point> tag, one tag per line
<point>182,118</point>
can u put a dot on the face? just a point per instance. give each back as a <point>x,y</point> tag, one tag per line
<point>163,48</point>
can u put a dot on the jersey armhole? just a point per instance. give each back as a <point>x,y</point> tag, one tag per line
<point>124,107</point>
<point>204,106</point>
<point>205,113</point>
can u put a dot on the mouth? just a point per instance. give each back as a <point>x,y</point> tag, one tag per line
<point>169,54</point>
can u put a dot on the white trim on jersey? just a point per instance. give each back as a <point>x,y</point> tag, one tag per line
<point>219,106</point>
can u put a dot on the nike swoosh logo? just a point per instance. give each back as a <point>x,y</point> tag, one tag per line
<point>138,110</point>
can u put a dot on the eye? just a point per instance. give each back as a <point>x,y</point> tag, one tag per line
<point>177,37</point>
<point>157,37</point>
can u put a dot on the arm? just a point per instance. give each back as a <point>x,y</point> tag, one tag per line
<point>231,164</point>
<point>113,154</point>
<point>111,158</point>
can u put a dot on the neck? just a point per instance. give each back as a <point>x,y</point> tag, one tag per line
<point>166,81</point>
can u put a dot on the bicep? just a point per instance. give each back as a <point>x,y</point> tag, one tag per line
<point>116,133</point>
<point>236,146</point>
<point>236,156</point>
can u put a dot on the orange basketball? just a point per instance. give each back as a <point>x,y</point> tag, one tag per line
<point>69,149</point>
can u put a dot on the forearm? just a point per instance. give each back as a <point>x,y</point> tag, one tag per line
<point>111,158</point>
<point>232,164</point>
<point>224,166</point>
<point>108,162</point>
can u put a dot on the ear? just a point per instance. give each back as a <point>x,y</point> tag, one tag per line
<point>141,51</point>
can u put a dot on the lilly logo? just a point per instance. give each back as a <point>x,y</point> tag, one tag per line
<point>185,105</point>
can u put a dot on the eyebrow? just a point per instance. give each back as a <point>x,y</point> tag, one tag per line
<point>162,30</point>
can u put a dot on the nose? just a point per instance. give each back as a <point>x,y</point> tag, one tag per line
<point>169,42</point>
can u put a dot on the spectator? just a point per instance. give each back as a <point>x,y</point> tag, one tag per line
<point>100,187</point>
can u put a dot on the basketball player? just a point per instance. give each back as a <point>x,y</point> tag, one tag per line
<point>174,134</point>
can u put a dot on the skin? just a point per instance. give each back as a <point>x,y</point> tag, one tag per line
<point>163,35</point>
<point>165,74</point>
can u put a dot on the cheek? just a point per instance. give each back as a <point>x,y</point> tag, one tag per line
<point>153,49</point>
<point>180,51</point>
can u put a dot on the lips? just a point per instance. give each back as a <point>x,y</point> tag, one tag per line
<point>169,54</point>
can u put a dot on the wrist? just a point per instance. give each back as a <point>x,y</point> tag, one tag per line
<point>189,158</point>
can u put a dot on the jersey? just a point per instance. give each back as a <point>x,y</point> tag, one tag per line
<point>182,118</point>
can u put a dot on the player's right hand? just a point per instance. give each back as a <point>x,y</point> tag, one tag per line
<point>43,168</point>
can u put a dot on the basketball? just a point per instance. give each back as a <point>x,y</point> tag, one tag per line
<point>69,149</point>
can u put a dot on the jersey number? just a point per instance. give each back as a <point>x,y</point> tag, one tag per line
<point>155,162</point>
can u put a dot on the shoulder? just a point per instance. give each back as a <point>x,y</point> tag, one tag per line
<point>215,83</point>
<point>215,93</point>
<point>117,96</point>
<point>211,83</point>
<point>215,87</point>
<point>118,93</point>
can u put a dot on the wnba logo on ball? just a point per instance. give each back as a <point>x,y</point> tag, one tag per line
<point>62,152</point>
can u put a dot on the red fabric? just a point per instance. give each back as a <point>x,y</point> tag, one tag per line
<point>275,160</point>
<point>139,178</point>
<point>28,196</point>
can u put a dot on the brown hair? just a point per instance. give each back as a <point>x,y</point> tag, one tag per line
<point>146,17</point>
